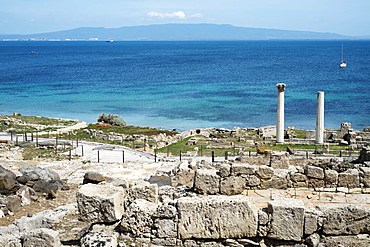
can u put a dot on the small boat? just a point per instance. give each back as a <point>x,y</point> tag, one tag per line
<point>111,40</point>
<point>342,64</point>
<point>33,52</point>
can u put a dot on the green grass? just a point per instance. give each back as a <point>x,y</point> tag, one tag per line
<point>27,122</point>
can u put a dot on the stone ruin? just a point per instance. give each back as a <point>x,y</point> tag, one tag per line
<point>196,204</point>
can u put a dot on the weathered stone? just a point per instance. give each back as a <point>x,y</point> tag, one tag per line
<point>242,168</point>
<point>138,217</point>
<point>313,240</point>
<point>43,219</point>
<point>225,170</point>
<point>252,180</point>
<point>265,172</point>
<point>166,211</point>
<point>346,220</point>
<point>366,176</point>
<point>159,242</point>
<point>263,217</point>
<point>331,176</point>
<point>298,177</point>
<point>232,185</point>
<point>45,186</point>
<point>344,241</point>
<point>165,228</point>
<point>279,160</point>
<point>8,182</point>
<point>311,221</point>
<point>100,236</point>
<point>287,219</point>
<point>27,195</point>
<point>184,175</point>
<point>41,237</point>
<point>207,181</point>
<point>316,183</point>
<point>142,190</point>
<point>34,173</point>
<point>278,181</point>
<point>100,203</point>
<point>13,203</point>
<point>217,217</point>
<point>93,178</point>
<point>349,178</point>
<point>364,155</point>
<point>314,172</point>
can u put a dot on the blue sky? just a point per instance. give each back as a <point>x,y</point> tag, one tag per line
<point>347,17</point>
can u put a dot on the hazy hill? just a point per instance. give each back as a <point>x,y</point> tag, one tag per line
<point>181,32</point>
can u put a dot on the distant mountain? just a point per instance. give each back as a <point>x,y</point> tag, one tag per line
<point>180,32</point>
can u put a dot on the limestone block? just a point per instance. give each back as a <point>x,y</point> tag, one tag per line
<point>298,177</point>
<point>349,178</point>
<point>346,220</point>
<point>265,172</point>
<point>138,217</point>
<point>232,185</point>
<point>279,160</point>
<point>287,219</point>
<point>314,172</point>
<point>311,221</point>
<point>41,237</point>
<point>165,228</point>
<point>331,176</point>
<point>366,172</point>
<point>160,242</point>
<point>278,181</point>
<point>252,180</point>
<point>242,168</point>
<point>225,170</point>
<point>217,217</point>
<point>100,203</point>
<point>142,190</point>
<point>184,176</point>
<point>166,211</point>
<point>350,241</point>
<point>207,181</point>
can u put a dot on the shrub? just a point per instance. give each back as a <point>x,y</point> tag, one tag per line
<point>112,119</point>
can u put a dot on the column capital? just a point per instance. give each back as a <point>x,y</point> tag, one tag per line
<point>281,87</point>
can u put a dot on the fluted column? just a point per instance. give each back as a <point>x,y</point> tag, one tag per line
<point>320,119</point>
<point>280,113</point>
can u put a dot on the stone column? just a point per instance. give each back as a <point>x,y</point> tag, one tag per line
<point>280,113</point>
<point>320,118</point>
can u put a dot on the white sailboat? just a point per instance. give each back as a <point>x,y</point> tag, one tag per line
<point>342,64</point>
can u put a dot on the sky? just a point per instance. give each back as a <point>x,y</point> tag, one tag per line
<point>346,17</point>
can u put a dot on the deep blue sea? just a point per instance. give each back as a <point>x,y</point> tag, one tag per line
<point>190,84</point>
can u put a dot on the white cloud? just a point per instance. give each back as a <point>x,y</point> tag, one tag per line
<point>175,15</point>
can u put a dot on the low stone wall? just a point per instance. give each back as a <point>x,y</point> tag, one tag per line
<point>233,178</point>
<point>168,216</point>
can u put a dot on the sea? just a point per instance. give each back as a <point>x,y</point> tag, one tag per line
<point>187,84</point>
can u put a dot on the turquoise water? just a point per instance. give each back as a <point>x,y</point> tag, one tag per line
<point>183,85</point>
